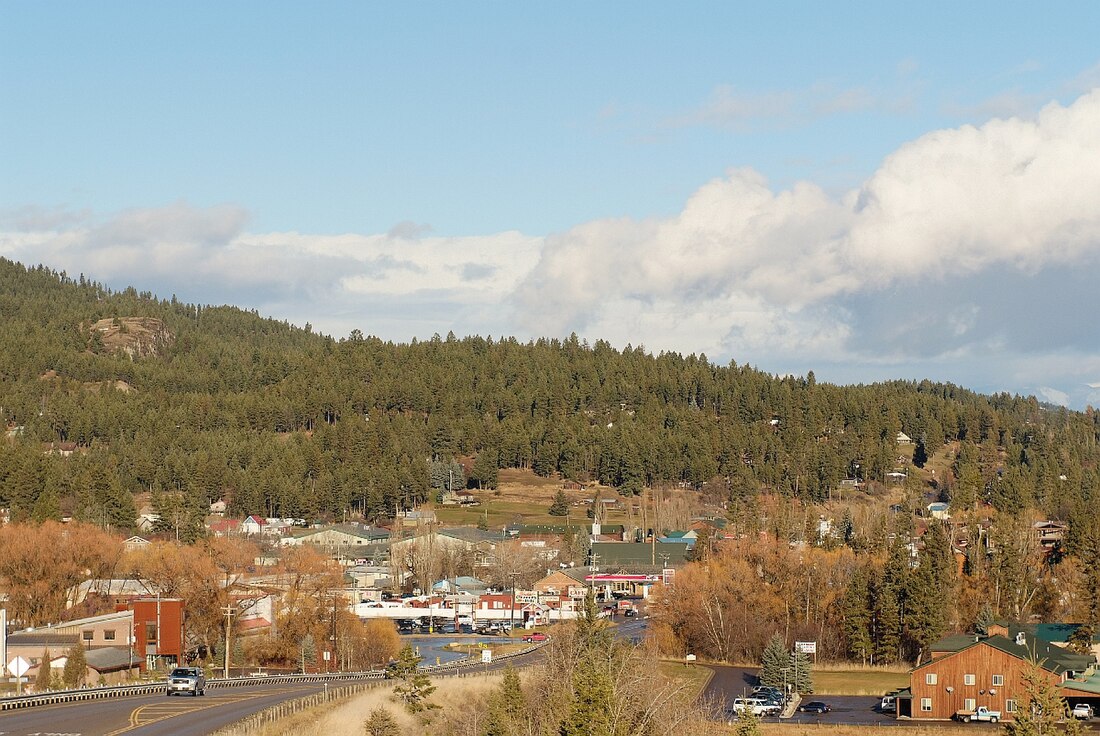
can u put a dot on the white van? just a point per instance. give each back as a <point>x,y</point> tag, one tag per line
<point>756,706</point>
<point>888,704</point>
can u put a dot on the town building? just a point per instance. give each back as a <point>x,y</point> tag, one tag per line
<point>967,672</point>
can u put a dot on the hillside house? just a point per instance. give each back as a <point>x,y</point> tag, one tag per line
<point>252,526</point>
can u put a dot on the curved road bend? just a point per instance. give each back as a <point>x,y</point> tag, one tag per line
<point>182,715</point>
<point>153,715</point>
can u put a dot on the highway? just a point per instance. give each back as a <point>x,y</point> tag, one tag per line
<point>152,715</point>
<point>184,715</point>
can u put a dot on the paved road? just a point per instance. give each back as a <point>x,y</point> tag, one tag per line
<point>152,715</point>
<point>159,715</point>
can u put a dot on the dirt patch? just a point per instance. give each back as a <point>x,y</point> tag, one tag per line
<point>524,486</point>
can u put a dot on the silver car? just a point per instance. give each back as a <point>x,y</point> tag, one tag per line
<point>187,680</point>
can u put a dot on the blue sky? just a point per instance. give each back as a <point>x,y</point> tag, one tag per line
<point>826,186</point>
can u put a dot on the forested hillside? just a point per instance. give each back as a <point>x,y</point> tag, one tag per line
<point>281,421</point>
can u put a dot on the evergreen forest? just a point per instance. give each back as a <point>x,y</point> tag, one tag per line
<point>282,421</point>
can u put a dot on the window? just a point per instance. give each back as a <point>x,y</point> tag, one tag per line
<point>926,705</point>
<point>109,635</point>
<point>150,633</point>
<point>968,679</point>
<point>931,678</point>
<point>970,704</point>
<point>87,634</point>
<point>1010,706</point>
<point>998,680</point>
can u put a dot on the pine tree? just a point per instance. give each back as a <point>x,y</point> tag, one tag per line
<point>560,507</point>
<point>800,673</point>
<point>1042,707</point>
<point>381,722</point>
<point>929,592</point>
<point>857,617</point>
<point>985,620</point>
<point>747,723</point>
<point>887,625</point>
<point>415,686</point>
<point>507,707</point>
<point>308,650</point>
<point>773,661</point>
<point>847,527</point>
<point>44,681</point>
<point>593,689</point>
<point>76,667</point>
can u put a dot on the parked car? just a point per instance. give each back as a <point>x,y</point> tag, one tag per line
<point>186,680</point>
<point>536,636</point>
<point>1082,711</point>
<point>814,706</point>
<point>888,704</point>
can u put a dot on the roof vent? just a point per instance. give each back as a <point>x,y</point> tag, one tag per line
<point>1021,638</point>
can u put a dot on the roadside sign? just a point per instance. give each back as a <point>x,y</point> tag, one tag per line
<point>19,666</point>
<point>806,647</point>
<point>486,656</point>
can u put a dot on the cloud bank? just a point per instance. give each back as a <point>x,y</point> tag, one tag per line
<point>966,256</point>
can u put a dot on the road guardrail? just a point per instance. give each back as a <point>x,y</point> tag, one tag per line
<point>123,691</point>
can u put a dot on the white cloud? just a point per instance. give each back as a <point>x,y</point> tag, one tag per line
<point>377,283</point>
<point>965,256</point>
<point>730,108</point>
<point>953,204</point>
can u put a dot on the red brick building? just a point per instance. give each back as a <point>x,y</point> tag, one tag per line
<point>158,631</point>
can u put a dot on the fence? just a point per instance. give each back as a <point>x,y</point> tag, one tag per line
<point>122,691</point>
<point>248,725</point>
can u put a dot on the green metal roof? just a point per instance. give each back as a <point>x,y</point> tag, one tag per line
<point>953,643</point>
<point>1050,657</point>
<point>1087,682</point>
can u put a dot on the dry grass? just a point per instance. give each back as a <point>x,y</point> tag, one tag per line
<point>696,677</point>
<point>346,719</point>
<point>850,667</point>
<point>822,729</point>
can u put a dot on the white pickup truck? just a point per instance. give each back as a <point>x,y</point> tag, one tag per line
<point>1082,712</point>
<point>981,714</point>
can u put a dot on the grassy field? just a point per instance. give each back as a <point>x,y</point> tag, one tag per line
<point>858,682</point>
<point>523,497</point>
<point>696,677</point>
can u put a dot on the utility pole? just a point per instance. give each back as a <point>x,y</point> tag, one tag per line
<point>228,625</point>
<point>592,573</point>
<point>333,662</point>
<point>512,610</point>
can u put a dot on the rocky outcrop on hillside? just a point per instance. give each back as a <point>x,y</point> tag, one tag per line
<point>137,337</point>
